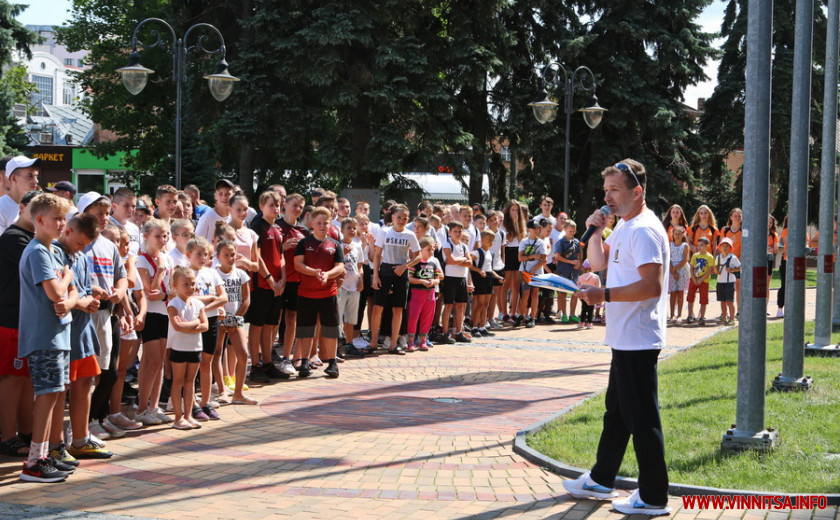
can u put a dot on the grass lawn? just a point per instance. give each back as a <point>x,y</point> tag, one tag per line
<point>776,281</point>
<point>697,391</point>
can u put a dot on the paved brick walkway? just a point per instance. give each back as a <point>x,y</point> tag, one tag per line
<point>427,435</point>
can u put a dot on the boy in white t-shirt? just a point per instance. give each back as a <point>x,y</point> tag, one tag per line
<point>726,267</point>
<point>532,257</point>
<point>456,281</point>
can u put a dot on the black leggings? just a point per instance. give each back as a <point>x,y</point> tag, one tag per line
<point>780,296</point>
<point>586,311</point>
<point>101,397</point>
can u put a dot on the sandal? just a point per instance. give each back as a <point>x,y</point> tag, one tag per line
<point>244,400</point>
<point>14,447</point>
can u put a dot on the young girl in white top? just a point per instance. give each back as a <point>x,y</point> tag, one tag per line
<point>187,322</point>
<point>210,291</point>
<point>182,232</point>
<point>233,323</point>
<point>678,281</point>
<point>245,238</point>
<point>154,267</point>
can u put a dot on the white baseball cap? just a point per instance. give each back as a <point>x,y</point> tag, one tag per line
<point>21,161</point>
<point>89,198</point>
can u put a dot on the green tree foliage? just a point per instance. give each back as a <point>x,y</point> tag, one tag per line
<point>13,86</point>
<point>723,121</point>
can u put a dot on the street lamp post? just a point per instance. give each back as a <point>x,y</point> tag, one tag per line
<point>135,76</point>
<point>545,110</point>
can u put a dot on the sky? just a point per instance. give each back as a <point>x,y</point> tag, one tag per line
<point>57,12</point>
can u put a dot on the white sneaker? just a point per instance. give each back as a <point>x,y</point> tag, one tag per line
<point>96,440</point>
<point>162,416</point>
<point>169,407</point>
<point>213,403</point>
<point>124,423</point>
<point>148,417</point>
<point>360,343</point>
<point>114,431</point>
<point>780,313</point>
<point>287,368</point>
<point>633,505</point>
<point>402,341</point>
<point>94,428</point>
<point>585,487</point>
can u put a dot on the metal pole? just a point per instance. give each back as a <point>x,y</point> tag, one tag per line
<point>825,261</point>
<point>794,338</point>
<point>749,432</point>
<point>180,60</point>
<point>570,94</point>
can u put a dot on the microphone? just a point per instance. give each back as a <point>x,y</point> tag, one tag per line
<point>591,230</point>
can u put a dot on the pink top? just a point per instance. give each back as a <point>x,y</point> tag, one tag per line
<point>245,240</point>
<point>589,279</point>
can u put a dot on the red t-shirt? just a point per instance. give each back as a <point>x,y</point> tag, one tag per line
<point>270,242</point>
<point>321,255</point>
<point>290,233</point>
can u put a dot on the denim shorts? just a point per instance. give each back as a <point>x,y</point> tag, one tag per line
<point>49,370</point>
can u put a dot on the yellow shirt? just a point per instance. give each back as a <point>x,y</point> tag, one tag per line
<point>701,263</point>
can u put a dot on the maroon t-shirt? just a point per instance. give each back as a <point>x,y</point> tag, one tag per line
<point>290,233</point>
<point>270,242</point>
<point>321,255</point>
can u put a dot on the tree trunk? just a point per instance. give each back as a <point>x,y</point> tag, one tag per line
<point>246,169</point>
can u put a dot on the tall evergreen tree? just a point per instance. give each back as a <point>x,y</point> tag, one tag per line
<point>14,36</point>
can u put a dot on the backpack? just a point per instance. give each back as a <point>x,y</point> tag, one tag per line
<point>478,262</point>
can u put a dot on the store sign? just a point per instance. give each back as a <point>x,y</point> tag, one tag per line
<point>53,158</point>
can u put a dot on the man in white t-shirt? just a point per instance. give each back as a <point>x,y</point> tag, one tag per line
<point>22,174</point>
<point>637,302</point>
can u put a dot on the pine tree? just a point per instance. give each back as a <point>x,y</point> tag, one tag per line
<point>13,88</point>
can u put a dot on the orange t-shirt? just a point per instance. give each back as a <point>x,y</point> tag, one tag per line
<point>735,237</point>
<point>697,232</point>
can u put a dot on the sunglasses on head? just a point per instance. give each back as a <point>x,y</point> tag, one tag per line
<point>627,169</point>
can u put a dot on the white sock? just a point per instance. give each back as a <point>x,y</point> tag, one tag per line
<point>37,451</point>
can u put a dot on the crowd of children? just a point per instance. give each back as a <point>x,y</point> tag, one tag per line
<point>211,299</point>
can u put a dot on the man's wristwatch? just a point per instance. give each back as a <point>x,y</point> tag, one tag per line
<point>606,295</point>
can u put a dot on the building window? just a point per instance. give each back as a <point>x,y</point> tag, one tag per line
<point>44,94</point>
<point>80,62</point>
<point>69,93</point>
<point>68,61</point>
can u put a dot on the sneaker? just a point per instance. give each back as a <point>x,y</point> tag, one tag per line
<point>461,338</point>
<point>62,455</point>
<point>352,351</point>
<point>548,320</point>
<point>633,505</point>
<point>42,471</point>
<point>94,428</point>
<point>780,313</point>
<point>402,341</point>
<point>529,323</point>
<point>564,319</point>
<point>399,351</point>
<point>574,319</point>
<point>96,440</point>
<point>124,423</point>
<point>689,320</point>
<point>210,412</point>
<point>61,466</point>
<point>89,451</point>
<point>447,339</point>
<point>273,373</point>
<point>360,343</point>
<point>507,318</point>
<point>304,370</point>
<point>585,487</point>
<point>517,322</point>
<point>423,346</point>
<point>286,367</point>
<point>701,322</point>
<point>486,333</point>
<point>411,348</point>
<point>114,431</point>
<point>258,375</point>
<point>162,416</point>
<point>332,369</point>
<point>199,415</point>
<point>588,325</point>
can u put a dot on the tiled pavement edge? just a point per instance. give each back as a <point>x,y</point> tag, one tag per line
<point>374,443</point>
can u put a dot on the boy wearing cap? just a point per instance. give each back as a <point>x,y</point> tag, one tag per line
<point>15,385</point>
<point>726,267</point>
<point>65,190</point>
<point>22,174</point>
<point>701,264</point>
<point>221,211</point>
<point>109,285</point>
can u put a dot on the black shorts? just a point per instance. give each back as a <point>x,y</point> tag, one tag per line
<point>454,290</point>
<point>500,281</point>
<point>157,326</point>
<point>179,356</point>
<point>264,309</point>
<point>771,263</point>
<point>726,292</point>
<point>392,292</point>
<point>511,258</point>
<point>367,280</point>
<point>289,298</point>
<point>208,337</point>
<point>483,285</point>
<point>314,309</point>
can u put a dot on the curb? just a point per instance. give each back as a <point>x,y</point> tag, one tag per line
<point>521,448</point>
